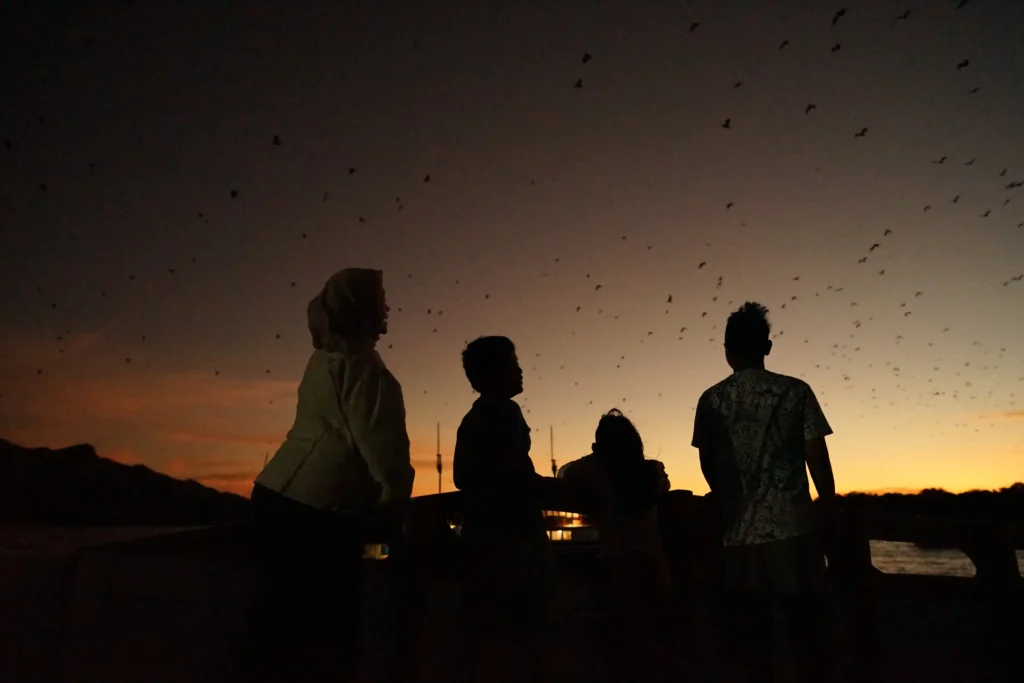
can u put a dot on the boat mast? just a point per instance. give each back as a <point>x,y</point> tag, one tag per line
<point>554,465</point>
<point>439,457</point>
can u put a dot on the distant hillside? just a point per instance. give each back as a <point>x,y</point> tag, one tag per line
<point>74,486</point>
<point>1006,503</point>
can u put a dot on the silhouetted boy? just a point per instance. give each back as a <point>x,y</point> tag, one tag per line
<point>503,527</point>
<point>756,430</point>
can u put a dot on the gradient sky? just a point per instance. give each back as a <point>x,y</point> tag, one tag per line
<point>153,112</point>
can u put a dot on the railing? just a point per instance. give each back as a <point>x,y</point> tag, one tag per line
<point>430,546</point>
<point>691,541</point>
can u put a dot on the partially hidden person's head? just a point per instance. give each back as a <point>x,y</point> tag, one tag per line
<point>350,309</point>
<point>747,336</point>
<point>617,444</point>
<point>616,437</point>
<point>492,367</point>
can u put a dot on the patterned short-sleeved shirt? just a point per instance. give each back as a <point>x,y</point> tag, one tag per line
<point>753,425</point>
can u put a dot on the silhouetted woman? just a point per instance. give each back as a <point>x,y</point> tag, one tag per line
<point>622,487</point>
<point>346,452</point>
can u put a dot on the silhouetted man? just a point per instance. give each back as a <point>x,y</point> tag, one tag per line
<point>503,527</point>
<point>755,431</point>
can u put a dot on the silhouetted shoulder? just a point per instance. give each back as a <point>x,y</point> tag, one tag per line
<point>491,412</point>
<point>794,384</point>
<point>712,394</point>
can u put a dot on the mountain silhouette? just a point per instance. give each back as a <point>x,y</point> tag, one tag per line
<point>74,486</point>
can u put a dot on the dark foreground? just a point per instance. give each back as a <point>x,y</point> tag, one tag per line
<point>117,605</point>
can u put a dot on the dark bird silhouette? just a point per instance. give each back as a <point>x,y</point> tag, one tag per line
<point>861,133</point>
<point>862,259</point>
<point>881,272</point>
<point>783,44</point>
<point>579,83</point>
<point>839,15</point>
<point>586,57</point>
<point>904,16</point>
<point>669,298</point>
<point>426,178</point>
<point>986,214</point>
<point>837,47</point>
<point>927,207</point>
<point>351,171</point>
<point>971,162</point>
<point>962,3</point>
<point>234,194</point>
<point>693,26</point>
<point>702,264</point>
<point>727,123</point>
<point>955,199</point>
<point>1003,172</point>
<point>809,108</point>
<point>940,160</point>
<point>277,141</point>
<point>729,205</point>
<point>963,65</point>
<point>874,246</point>
<point>974,90</point>
<point>887,232</point>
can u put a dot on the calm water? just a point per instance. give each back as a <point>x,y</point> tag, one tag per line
<point>906,558</point>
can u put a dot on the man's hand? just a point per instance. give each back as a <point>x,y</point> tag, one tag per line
<point>663,481</point>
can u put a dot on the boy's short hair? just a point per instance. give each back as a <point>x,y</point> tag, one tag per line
<point>479,356</point>
<point>748,329</point>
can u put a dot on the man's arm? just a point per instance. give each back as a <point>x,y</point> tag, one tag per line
<point>702,442</point>
<point>375,410</point>
<point>820,467</point>
<point>816,428</point>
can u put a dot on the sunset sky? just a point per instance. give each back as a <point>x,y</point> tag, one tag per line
<point>126,127</point>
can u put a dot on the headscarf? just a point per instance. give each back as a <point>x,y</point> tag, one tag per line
<point>347,310</point>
